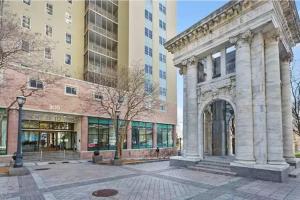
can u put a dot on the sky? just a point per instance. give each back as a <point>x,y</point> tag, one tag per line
<point>190,12</point>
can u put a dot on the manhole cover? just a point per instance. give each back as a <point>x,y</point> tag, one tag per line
<point>105,193</point>
<point>39,169</point>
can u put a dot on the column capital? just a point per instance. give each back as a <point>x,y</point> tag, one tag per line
<point>288,57</point>
<point>185,63</point>
<point>245,37</point>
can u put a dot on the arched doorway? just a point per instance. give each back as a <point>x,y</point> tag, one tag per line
<point>219,129</point>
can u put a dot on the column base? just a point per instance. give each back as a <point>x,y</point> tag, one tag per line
<point>267,172</point>
<point>293,162</point>
<point>184,161</point>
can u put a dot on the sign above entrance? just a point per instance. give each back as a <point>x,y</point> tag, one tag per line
<point>53,117</point>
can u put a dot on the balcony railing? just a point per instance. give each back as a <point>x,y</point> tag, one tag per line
<point>103,12</point>
<point>103,50</point>
<point>103,31</point>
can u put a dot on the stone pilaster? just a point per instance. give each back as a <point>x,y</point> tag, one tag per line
<point>273,101</point>
<point>129,137</point>
<point>259,98</point>
<point>154,136</point>
<point>287,118</point>
<point>223,62</point>
<point>12,131</point>
<point>84,133</point>
<point>184,126</point>
<point>192,149</point>
<point>209,67</point>
<point>244,112</point>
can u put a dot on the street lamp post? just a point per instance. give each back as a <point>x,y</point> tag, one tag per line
<point>117,136</point>
<point>19,158</point>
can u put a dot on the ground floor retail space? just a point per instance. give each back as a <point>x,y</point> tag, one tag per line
<point>50,132</point>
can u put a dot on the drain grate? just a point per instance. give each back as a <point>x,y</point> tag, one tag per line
<point>105,193</point>
<point>64,162</point>
<point>51,163</point>
<point>40,169</point>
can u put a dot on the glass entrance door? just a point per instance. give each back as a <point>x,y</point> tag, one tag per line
<point>48,141</point>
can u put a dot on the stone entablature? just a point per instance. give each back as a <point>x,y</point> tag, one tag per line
<point>236,9</point>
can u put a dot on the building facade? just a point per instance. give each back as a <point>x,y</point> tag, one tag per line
<point>237,97</point>
<point>92,39</point>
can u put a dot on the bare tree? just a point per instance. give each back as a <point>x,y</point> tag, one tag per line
<point>23,51</point>
<point>295,85</point>
<point>129,97</point>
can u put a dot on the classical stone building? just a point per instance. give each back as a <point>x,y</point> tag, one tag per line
<point>235,65</point>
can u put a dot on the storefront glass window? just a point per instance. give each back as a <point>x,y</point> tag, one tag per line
<point>142,133</point>
<point>3,131</point>
<point>101,134</point>
<point>164,135</point>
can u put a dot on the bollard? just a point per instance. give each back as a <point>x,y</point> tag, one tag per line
<point>41,157</point>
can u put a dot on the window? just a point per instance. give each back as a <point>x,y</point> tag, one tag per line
<point>148,51</point>
<point>164,135</point>
<point>25,46</point>
<point>148,33</point>
<point>161,40</point>
<point>162,91</point>
<point>142,134</point>
<point>162,74</point>
<point>36,84</point>
<point>26,22</point>
<point>162,25</point>
<point>148,86</point>
<point>68,38</point>
<point>162,107</point>
<point>200,69</point>
<point>98,96</point>
<point>162,8</point>
<point>148,15</point>
<point>148,69</point>
<point>49,8</point>
<point>216,58</point>
<point>48,30</point>
<point>28,2</point>
<point>162,58</point>
<point>68,59</point>
<point>230,60</point>
<point>68,18</point>
<point>71,90</point>
<point>48,53</point>
<point>101,134</point>
<point>69,1</point>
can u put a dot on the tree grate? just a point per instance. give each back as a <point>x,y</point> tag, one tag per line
<point>105,193</point>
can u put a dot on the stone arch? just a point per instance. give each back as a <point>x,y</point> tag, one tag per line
<point>201,109</point>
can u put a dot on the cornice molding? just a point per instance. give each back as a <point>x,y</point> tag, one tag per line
<point>209,23</point>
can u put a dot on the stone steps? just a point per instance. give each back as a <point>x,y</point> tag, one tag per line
<point>50,156</point>
<point>294,173</point>
<point>221,167</point>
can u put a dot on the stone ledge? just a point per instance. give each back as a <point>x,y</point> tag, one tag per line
<point>267,172</point>
<point>20,171</point>
<point>180,161</point>
<point>294,162</point>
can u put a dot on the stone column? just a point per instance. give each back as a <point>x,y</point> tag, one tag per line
<point>154,136</point>
<point>259,98</point>
<point>209,68</point>
<point>273,101</point>
<point>223,62</point>
<point>184,127</point>
<point>244,112</point>
<point>287,118</point>
<point>129,137</point>
<point>12,131</point>
<point>84,133</point>
<point>192,149</point>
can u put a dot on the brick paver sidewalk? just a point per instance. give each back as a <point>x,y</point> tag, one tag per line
<point>153,181</point>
